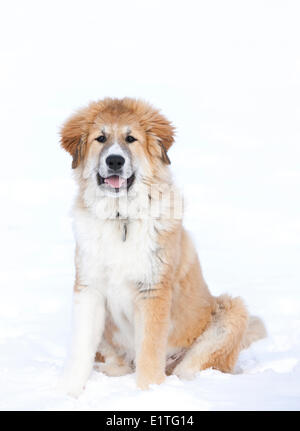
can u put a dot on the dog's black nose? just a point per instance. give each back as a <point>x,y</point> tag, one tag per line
<point>115,162</point>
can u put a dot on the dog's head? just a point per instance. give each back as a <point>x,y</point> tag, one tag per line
<point>117,143</point>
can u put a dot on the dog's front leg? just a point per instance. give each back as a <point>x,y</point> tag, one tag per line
<point>88,324</point>
<point>152,315</point>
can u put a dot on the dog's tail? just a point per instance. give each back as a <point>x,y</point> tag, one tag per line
<point>255,331</point>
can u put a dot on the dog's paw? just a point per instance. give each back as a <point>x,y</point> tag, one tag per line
<point>70,385</point>
<point>183,372</point>
<point>113,370</point>
<point>143,381</point>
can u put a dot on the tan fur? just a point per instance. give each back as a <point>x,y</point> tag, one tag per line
<point>178,313</point>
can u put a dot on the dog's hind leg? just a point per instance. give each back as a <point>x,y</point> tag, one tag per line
<point>219,345</point>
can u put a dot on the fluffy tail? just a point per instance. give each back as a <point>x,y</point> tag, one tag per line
<point>254,332</point>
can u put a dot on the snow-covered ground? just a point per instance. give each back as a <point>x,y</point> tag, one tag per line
<point>228,75</point>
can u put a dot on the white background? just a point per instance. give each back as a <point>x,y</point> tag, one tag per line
<point>227,73</point>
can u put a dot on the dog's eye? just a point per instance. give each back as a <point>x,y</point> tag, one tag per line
<point>101,138</point>
<point>130,139</point>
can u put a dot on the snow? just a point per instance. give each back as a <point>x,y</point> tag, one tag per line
<point>227,74</point>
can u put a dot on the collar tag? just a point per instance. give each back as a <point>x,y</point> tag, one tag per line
<point>124,236</point>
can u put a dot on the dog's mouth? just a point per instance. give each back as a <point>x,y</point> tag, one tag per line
<point>115,182</point>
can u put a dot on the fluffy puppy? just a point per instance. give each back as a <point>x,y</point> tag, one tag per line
<point>140,300</point>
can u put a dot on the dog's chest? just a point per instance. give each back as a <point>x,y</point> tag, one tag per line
<point>128,251</point>
<point>117,251</point>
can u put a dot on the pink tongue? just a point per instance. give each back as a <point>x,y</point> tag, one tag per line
<point>115,181</point>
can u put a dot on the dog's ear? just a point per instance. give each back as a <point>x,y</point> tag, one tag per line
<point>74,137</point>
<point>160,131</point>
<point>164,155</point>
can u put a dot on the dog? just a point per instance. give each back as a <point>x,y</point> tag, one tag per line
<point>140,300</point>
